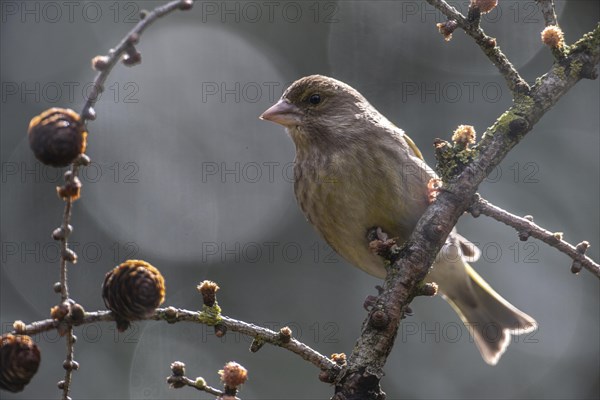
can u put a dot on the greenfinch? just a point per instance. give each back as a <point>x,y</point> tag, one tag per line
<point>355,170</point>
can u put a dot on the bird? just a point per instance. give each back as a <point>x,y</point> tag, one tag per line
<point>355,170</point>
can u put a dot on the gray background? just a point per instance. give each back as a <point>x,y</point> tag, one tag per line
<point>161,189</point>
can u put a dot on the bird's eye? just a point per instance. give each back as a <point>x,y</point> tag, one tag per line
<point>314,99</point>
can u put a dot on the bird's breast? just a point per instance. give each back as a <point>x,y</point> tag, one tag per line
<point>346,192</point>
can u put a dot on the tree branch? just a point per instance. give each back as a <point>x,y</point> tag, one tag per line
<point>526,228</point>
<point>488,45</point>
<point>174,315</point>
<point>548,11</point>
<point>360,379</point>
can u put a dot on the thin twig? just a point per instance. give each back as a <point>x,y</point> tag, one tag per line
<point>180,315</point>
<point>553,36</point>
<point>526,228</point>
<point>192,383</point>
<point>64,288</point>
<point>88,113</point>
<point>66,386</point>
<point>488,44</point>
<point>115,54</point>
<point>548,11</point>
<point>64,285</point>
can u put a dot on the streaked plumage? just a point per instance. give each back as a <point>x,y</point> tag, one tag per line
<point>355,170</point>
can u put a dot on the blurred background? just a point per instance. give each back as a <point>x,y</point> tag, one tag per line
<point>187,177</point>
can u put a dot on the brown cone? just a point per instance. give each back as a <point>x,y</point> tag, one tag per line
<point>57,136</point>
<point>19,361</point>
<point>133,290</point>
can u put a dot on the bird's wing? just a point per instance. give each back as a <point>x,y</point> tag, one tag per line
<point>469,249</point>
<point>412,146</point>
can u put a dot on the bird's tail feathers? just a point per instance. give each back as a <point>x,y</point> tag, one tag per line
<point>491,319</point>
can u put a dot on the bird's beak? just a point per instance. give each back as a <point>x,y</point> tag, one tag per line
<point>283,113</point>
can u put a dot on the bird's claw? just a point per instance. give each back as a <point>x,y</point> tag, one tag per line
<point>376,233</point>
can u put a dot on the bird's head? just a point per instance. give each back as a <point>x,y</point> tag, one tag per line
<point>318,108</point>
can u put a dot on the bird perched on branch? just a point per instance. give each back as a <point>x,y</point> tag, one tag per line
<point>355,170</point>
